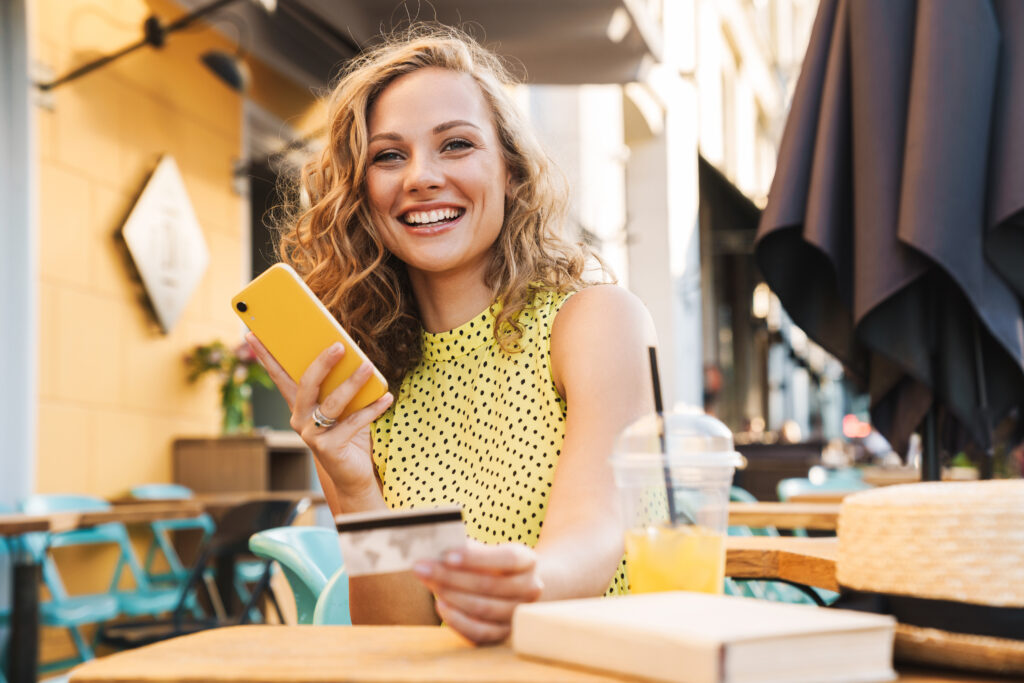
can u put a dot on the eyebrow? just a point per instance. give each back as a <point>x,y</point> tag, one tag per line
<point>439,128</point>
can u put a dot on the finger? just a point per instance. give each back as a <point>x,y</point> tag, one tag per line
<point>365,416</point>
<point>525,587</point>
<point>308,391</point>
<point>506,558</point>
<point>284,383</point>
<point>475,630</point>
<point>335,402</point>
<point>480,607</point>
<point>319,438</point>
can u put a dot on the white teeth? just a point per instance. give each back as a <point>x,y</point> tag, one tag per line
<point>420,217</point>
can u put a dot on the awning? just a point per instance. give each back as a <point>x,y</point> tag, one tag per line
<point>548,41</point>
<point>732,216</point>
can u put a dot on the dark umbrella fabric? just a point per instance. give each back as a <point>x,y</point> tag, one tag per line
<point>894,230</point>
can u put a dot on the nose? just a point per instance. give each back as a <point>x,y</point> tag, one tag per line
<point>423,173</point>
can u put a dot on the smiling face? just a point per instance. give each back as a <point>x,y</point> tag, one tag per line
<point>436,178</point>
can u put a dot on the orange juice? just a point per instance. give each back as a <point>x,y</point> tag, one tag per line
<point>688,558</point>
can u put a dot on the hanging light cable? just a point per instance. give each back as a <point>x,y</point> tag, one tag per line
<point>155,34</point>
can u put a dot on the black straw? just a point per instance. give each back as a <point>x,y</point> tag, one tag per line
<point>658,408</point>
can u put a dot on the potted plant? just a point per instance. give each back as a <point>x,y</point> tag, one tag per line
<point>238,370</point>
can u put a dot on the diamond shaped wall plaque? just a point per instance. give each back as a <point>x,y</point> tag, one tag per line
<point>166,243</point>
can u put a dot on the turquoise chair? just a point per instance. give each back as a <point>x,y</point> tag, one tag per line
<point>177,573</point>
<point>332,606</point>
<point>309,557</point>
<point>5,612</point>
<point>246,572</point>
<point>72,612</point>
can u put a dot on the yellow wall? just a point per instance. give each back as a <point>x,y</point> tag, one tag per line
<point>112,386</point>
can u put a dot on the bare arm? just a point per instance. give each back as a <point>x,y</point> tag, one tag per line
<point>599,362</point>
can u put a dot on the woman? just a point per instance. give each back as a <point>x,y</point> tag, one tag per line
<point>432,235</point>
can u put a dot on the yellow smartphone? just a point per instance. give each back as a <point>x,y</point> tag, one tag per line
<point>295,326</point>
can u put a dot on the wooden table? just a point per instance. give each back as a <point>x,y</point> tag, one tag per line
<point>820,516</point>
<point>24,645</point>
<point>820,497</point>
<point>136,513</point>
<point>220,501</point>
<point>215,502</point>
<point>887,476</point>
<point>808,561</point>
<point>15,525</point>
<point>355,654</point>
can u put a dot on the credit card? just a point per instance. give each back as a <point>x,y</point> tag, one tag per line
<point>394,540</point>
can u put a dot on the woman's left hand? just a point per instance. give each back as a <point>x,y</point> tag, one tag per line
<point>478,587</point>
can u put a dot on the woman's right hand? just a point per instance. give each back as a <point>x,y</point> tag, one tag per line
<point>343,449</point>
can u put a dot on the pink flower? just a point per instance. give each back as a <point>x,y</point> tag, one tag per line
<point>244,353</point>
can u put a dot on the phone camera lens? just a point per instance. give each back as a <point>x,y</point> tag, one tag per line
<point>241,306</point>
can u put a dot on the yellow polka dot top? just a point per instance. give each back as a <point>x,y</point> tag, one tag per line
<point>479,427</point>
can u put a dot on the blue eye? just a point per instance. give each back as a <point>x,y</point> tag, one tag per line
<point>387,156</point>
<point>457,144</point>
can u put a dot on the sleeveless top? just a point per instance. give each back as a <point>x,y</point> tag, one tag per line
<point>479,427</point>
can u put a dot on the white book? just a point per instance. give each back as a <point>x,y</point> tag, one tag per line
<point>698,638</point>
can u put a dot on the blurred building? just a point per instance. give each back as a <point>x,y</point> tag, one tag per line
<point>769,373</point>
<point>673,204</point>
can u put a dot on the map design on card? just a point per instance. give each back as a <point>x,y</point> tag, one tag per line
<point>379,543</point>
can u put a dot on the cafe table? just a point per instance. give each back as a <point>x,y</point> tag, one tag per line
<point>819,497</point>
<point>221,500</point>
<point>817,516</point>
<point>355,654</point>
<point>226,499</point>
<point>24,639</point>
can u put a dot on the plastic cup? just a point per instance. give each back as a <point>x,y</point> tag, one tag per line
<point>675,503</point>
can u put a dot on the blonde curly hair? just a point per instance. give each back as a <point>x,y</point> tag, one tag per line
<point>336,246</point>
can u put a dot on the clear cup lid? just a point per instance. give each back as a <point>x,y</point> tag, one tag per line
<point>690,438</point>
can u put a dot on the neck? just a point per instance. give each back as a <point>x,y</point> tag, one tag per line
<point>447,300</point>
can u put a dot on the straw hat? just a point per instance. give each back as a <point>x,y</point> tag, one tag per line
<point>947,560</point>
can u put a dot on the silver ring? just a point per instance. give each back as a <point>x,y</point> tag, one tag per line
<point>321,420</point>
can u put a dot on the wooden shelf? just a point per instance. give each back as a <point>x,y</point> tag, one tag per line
<point>264,461</point>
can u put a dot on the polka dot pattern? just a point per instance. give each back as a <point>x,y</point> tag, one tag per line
<point>476,426</point>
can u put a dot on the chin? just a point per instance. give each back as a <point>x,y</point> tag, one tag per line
<point>438,264</point>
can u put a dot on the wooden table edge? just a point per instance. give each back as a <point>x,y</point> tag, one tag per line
<point>816,567</point>
<point>106,668</point>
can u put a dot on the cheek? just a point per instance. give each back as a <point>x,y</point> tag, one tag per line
<point>500,194</point>
<point>377,193</point>
<point>494,187</point>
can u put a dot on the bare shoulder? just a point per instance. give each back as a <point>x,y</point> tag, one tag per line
<point>603,326</point>
<point>603,309</point>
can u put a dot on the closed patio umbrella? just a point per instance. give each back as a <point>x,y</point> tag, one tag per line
<point>894,230</point>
